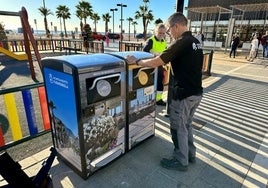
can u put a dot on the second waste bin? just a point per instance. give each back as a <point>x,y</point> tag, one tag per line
<point>140,101</point>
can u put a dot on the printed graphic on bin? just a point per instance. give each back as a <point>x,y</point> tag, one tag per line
<point>99,107</point>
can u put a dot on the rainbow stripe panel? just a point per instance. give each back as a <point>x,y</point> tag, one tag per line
<point>15,114</point>
<point>29,110</point>
<point>13,117</point>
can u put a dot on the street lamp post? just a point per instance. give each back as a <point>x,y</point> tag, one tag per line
<point>35,22</point>
<point>179,6</point>
<point>52,36</point>
<point>51,24</point>
<point>121,5</point>
<point>113,9</point>
<point>44,3</point>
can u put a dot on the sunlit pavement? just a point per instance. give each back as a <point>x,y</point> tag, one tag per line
<point>230,135</point>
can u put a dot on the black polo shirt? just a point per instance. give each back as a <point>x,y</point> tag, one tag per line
<point>186,58</point>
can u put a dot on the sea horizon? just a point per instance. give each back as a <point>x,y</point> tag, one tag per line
<point>43,32</point>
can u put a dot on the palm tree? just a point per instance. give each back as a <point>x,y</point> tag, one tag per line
<point>134,23</point>
<point>158,21</point>
<point>95,17</point>
<point>146,16</point>
<point>130,20</point>
<point>84,10</point>
<point>45,12</point>
<point>3,35</point>
<point>63,12</point>
<point>106,18</point>
<point>78,13</point>
<point>59,15</point>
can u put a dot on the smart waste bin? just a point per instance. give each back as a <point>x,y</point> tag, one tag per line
<point>140,104</point>
<point>86,100</point>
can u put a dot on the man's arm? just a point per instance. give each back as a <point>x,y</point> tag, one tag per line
<point>153,62</point>
<point>148,46</point>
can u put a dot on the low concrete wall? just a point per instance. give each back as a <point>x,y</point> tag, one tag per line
<point>247,46</point>
<point>212,44</point>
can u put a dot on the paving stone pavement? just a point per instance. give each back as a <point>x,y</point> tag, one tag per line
<point>231,136</point>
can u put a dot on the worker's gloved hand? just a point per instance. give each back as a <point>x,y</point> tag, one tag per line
<point>131,59</point>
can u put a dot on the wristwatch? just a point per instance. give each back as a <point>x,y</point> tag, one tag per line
<point>137,62</point>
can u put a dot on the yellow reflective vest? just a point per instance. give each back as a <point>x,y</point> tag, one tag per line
<point>158,46</point>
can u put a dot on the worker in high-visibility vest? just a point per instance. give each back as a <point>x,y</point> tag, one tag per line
<point>155,45</point>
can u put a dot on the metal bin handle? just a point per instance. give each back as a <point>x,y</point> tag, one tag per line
<point>105,77</point>
<point>144,68</point>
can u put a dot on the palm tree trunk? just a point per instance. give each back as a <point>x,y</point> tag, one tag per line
<point>129,31</point>
<point>81,26</point>
<point>64,27</point>
<point>45,22</point>
<point>61,34</point>
<point>106,26</point>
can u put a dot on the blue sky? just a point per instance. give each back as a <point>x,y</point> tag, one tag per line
<point>161,9</point>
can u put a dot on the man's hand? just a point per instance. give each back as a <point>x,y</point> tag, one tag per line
<point>131,59</point>
<point>156,54</point>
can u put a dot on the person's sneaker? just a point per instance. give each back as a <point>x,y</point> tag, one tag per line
<point>173,164</point>
<point>160,103</point>
<point>166,115</point>
<point>192,160</point>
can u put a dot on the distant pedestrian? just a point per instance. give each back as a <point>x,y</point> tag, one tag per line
<point>258,34</point>
<point>203,38</point>
<point>121,36</point>
<point>73,35</point>
<point>87,37</point>
<point>234,44</point>
<point>264,42</point>
<point>107,39</point>
<point>200,37</point>
<point>254,48</point>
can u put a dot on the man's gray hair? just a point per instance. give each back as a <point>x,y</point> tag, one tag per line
<point>177,17</point>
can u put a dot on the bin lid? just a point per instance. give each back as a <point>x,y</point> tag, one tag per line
<point>90,60</point>
<point>136,54</point>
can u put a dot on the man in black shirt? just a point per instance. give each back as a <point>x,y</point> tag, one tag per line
<point>234,45</point>
<point>186,58</point>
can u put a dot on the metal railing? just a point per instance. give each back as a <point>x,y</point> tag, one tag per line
<point>18,45</point>
<point>130,46</point>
